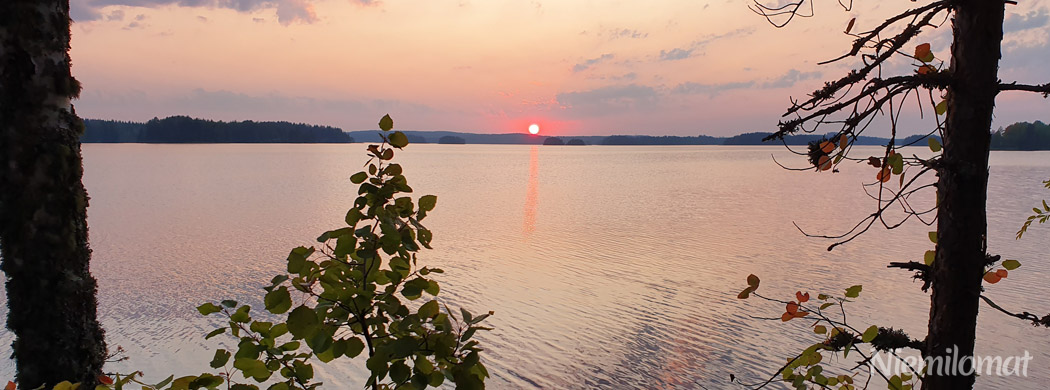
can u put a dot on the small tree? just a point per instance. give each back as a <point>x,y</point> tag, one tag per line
<point>43,220</point>
<point>960,263</point>
<point>350,293</point>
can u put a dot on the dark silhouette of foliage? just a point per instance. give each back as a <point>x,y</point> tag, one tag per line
<point>553,141</point>
<point>452,140</point>
<point>183,129</point>
<point>576,142</point>
<point>1022,136</point>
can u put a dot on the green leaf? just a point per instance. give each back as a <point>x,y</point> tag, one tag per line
<point>429,309</point>
<point>820,329</point>
<point>386,123</point>
<point>935,145</point>
<point>278,301</point>
<point>929,257</point>
<point>241,315</point>
<point>302,322</point>
<point>854,291</point>
<point>870,334</point>
<point>941,107</point>
<point>252,368</point>
<point>297,258</point>
<point>896,161</point>
<point>398,140</point>
<point>1011,265</point>
<point>353,216</point>
<point>229,303</point>
<point>427,202</point>
<point>358,178</point>
<point>215,332</point>
<point>933,237</point>
<point>208,308</point>
<point>221,357</point>
<point>354,347</point>
<point>164,382</point>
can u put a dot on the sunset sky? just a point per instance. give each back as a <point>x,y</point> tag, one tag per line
<point>575,67</point>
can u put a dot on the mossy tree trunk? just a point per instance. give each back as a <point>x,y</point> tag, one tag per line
<point>963,187</point>
<point>43,228</point>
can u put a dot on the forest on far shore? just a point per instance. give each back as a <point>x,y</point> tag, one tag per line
<point>183,129</point>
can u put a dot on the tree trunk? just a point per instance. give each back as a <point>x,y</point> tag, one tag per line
<point>43,226</point>
<point>962,188</point>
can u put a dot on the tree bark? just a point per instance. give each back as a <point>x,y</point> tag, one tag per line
<point>962,190</point>
<point>43,222</point>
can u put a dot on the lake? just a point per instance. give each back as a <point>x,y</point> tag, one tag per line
<point>607,266</point>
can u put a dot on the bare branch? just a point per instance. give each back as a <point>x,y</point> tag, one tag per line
<point>1044,321</point>
<point>1014,86</point>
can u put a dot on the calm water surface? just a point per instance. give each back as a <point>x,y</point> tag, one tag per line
<point>607,267</point>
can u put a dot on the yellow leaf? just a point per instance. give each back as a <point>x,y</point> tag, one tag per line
<point>941,107</point>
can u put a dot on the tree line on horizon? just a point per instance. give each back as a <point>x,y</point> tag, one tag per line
<point>183,129</point>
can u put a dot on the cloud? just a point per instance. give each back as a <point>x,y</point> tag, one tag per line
<point>1034,19</point>
<point>288,11</point>
<point>692,88</point>
<point>610,99</point>
<point>693,48</point>
<point>786,80</point>
<point>117,15</point>
<point>626,33</point>
<point>790,78</point>
<point>590,62</point>
<point>676,54</point>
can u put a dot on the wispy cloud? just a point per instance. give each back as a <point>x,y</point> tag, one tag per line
<point>695,48</point>
<point>288,11</point>
<point>676,54</point>
<point>786,80</point>
<point>609,100</point>
<point>582,66</point>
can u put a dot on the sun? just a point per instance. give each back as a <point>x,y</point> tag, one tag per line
<point>534,129</point>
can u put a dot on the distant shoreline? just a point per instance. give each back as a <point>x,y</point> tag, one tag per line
<point>184,130</point>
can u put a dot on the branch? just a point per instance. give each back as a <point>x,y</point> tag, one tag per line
<point>1014,86</point>
<point>1036,321</point>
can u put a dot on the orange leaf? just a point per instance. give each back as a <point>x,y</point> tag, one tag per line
<point>1001,273</point>
<point>849,27</point>
<point>801,314</point>
<point>843,141</point>
<point>10,386</point>
<point>824,163</point>
<point>827,146</point>
<point>105,380</point>
<point>786,317</point>
<point>923,53</point>
<point>792,308</point>
<point>802,298</point>
<point>992,278</point>
<point>884,174</point>
<point>926,69</point>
